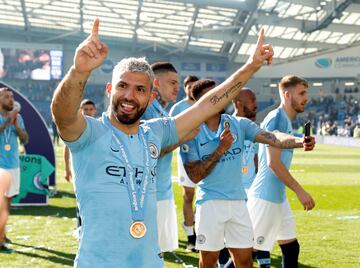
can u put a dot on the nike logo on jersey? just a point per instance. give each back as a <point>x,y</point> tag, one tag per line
<point>114,150</point>
<point>202,144</point>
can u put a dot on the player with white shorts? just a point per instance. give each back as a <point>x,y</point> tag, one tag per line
<point>268,205</point>
<point>14,187</point>
<point>184,180</point>
<point>166,210</point>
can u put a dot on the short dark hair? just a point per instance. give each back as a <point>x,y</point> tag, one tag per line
<point>162,67</point>
<point>189,79</point>
<point>87,102</point>
<point>289,81</point>
<point>198,87</point>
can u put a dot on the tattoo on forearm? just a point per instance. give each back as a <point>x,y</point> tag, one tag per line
<point>215,99</point>
<point>198,170</point>
<point>269,136</point>
<point>284,142</point>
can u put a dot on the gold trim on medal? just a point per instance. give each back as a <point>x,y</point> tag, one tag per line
<point>7,147</point>
<point>245,169</point>
<point>138,229</point>
<point>227,124</point>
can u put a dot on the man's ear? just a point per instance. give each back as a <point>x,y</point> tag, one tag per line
<point>108,88</point>
<point>153,96</point>
<point>156,83</point>
<point>287,94</point>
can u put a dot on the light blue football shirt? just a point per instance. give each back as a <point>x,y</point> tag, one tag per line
<point>163,183</point>
<point>224,182</point>
<point>179,107</point>
<point>266,184</point>
<point>102,195</point>
<point>10,159</point>
<point>250,150</point>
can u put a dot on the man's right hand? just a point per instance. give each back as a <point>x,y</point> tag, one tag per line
<point>306,200</point>
<point>226,140</point>
<point>91,53</point>
<point>68,175</point>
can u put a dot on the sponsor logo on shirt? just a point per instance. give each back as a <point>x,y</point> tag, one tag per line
<point>227,156</point>
<point>120,171</point>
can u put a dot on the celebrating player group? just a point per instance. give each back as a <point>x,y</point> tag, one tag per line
<point>122,163</point>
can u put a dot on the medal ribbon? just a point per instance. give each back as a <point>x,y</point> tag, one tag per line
<point>7,133</point>
<point>136,196</point>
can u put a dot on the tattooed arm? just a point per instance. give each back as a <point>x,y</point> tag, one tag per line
<point>216,99</point>
<point>67,97</point>
<point>188,137</point>
<point>198,170</point>
<point>284,141</point>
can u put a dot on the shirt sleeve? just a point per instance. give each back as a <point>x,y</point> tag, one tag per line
<point>165,128</point>
<point>21,122</point>
<point>175,110</point>
<point>94,130</point>
<point>189,152</point>
<point>276,123</point>
<point>249,127</point>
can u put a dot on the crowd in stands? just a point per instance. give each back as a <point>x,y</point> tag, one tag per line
<point>40,94</point>
<point>334,115</point>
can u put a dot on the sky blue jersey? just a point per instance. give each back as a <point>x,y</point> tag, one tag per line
<point>224,182</point>
<point>248,174</point>
<point>9,159</point>
<point>100,182</point>
<point>164,184</point>
<point>179,107</point>
<point>266,184</point>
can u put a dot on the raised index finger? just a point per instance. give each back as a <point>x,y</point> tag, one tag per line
<point>261,37</point>
<point>95,28</point>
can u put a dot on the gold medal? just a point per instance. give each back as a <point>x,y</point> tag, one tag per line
<point>7,147</point>
<point>227,124</point>
<point>138,229</point>
<point>245,169</point>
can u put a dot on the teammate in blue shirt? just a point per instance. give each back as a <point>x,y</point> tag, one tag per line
<point>245,105</point>
<point>166,85</point>
<point>213,161</point>
<point>115,157</point>
<point>269,208</point>
<point>11,128</point>
<point>184,180</point>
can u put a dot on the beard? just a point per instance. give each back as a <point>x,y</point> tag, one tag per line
<point>250,114</point>
<point>297,106</point>
<point>8,108</point>
<point>127,119</point>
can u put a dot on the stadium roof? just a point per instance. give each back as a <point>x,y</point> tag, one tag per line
<point>224,28</point>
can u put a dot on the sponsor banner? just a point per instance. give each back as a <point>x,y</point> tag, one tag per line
<point>344,63</point>
<point>34,176</point>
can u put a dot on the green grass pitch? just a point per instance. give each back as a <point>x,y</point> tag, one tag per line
<point>329,235</point>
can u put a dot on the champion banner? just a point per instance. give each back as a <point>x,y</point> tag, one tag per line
<point>34,173</point>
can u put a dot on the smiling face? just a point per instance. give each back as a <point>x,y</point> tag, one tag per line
<point>129,96</point>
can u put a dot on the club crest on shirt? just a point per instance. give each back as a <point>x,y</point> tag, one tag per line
<point>185,148</point>
<point>154,151</point>
<point>200,239</point>
<point>234,137</point>
<point>260,240</point>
